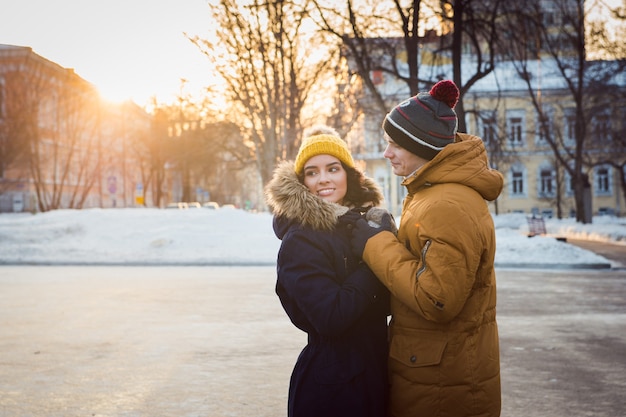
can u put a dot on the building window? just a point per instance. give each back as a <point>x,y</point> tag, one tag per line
<point>549,15</point>
<point>488,127</point>
<point>515,127</point>
<point>603,181</point>
<point>518,183</point>
<point>570,127</point>
<point>601,128</point>
<point>569,184</point>
<point>544,129</point>
<point>517,188</point>
<point>547,182</point>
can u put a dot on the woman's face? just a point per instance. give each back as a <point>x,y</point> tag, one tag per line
<point>325,177</point>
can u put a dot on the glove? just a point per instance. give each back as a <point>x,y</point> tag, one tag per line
<point>350,218</point>
<point>378,217</point>
<point>362,232</point>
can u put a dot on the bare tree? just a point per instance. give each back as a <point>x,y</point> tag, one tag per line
<point>18,118</point>
<point>365,27</point>
<point>475,24</point>
<point>605,38</point>
<point>373,35</point>
<point>557,38</point>
<point>205,153</point>
<point>62,158</point>
<point>82,124</point>
<point>53,120</point>
<point>150,150</point>
<point>223,167</point>
<point>264,55</point>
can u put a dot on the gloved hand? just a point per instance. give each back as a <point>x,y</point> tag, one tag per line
<point>362,232</point>
<point>376,216</point>
<point>350,218</point>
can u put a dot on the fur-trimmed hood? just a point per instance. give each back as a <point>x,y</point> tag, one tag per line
<point>290,199</point>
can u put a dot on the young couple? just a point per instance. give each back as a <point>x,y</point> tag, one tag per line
<point>343,267</point>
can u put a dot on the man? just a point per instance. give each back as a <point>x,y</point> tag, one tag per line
<point>444,349</point>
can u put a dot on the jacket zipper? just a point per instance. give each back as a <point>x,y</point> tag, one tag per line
<point>423,254</point>
<point>438,304</point>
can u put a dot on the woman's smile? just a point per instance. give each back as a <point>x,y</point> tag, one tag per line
<point>325,192</point>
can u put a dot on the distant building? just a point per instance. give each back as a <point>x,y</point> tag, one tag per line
<point>508,122</point>
<point>500,109</point>
<point>61,145</point>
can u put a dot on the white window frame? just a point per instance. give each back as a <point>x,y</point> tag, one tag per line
<point>603,180</point>
<point>540,137</point>
<point>569,126</point>
<point>546,186</point>
<point>569,189</point>
<point>488,126</point>
<point>518,176</point>
<point>601,127</point>
<point>516,128</point>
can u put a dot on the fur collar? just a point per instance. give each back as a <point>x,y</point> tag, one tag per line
<point>289,198</point>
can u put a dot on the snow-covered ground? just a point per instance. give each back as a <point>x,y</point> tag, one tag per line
<point>236,237</point>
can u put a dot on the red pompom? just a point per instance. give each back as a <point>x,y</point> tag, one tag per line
<point>445,91</point>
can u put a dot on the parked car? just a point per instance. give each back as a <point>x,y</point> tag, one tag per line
<point>211,205</point>
<point>194,205</point>
<point>179,206</point>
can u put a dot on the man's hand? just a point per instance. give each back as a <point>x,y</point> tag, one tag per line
<point>378,217</point>
<point>362,232</point>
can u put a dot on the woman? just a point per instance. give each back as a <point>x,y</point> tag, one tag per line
<point>325,290</point>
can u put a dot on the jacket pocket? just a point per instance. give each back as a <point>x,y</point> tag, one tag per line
<point>417,349</point>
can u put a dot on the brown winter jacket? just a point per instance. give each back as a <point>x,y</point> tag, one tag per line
<point>444,352</point>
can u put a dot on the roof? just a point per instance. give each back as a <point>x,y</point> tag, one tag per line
<point>544,74</point>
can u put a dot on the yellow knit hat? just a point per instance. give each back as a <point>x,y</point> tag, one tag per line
<point>323,144</point>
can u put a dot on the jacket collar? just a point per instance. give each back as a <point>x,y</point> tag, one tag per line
<point>290,199</point>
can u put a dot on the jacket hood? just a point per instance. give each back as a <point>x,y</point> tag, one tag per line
<point>291,200</point>
<point>463,162</point>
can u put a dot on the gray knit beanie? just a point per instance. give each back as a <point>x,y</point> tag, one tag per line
<point>427,122</point>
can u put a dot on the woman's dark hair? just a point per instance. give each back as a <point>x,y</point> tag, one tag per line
<point>358,194</point>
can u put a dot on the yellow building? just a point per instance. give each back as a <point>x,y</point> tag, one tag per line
<point>532,156</point>
<point>501,110</point>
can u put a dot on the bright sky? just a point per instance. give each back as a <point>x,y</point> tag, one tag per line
<point>129,49</point>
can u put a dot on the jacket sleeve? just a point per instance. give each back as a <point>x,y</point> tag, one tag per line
<point>434,273</point>
<point>308,279</point>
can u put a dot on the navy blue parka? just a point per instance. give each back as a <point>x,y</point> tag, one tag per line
<point>331,295</point>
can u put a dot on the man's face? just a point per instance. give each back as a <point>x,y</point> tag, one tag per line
<point>403,162</point>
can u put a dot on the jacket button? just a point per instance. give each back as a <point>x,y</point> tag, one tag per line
<point>413,359</point>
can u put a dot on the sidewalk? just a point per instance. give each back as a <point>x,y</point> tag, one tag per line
<point>614,252</point>
<point>213,341</point>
